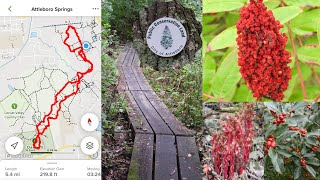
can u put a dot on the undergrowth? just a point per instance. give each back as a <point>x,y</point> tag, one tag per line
<point>180,90</point>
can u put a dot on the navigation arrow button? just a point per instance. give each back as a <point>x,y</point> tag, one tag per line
<point>14,145</point>
<point>10,8</point>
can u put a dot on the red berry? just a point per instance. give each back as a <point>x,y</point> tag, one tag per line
<point>263,59</point>
<point>269,143</point>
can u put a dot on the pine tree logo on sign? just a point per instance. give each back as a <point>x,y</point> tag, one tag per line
<point>166,37</point>
<point>166,40</point>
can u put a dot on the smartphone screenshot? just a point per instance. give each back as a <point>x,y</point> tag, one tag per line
<point>50,89</point>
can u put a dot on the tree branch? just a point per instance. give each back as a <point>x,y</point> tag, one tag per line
<point>317,98</point>
<point>297,63</point>
<point>315,74</point>
<point>212,97</point>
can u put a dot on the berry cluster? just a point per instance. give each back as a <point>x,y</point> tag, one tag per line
<point>303,132</point>
<point>308,176</point>
<point>280,119</point>
<point>263,59</point>
<point>303,163</point>
<point>287,160</point>
<point>270,143</point>
<point>315,148</point>
<point>296,150</point>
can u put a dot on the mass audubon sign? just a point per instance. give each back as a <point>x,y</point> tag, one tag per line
<point>166,37</point>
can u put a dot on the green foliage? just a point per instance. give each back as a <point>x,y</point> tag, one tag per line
<point>123,13</point>
<point>112,103</point>
<point>219,39</point>
<point>284,161</point>
<point>179,89</point>
<point>195,5</point>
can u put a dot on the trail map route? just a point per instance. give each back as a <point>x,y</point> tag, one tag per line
<point>50,76</point>
<point>54,115</point>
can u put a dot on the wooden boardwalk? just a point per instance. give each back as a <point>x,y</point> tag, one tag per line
<point>163,148</point>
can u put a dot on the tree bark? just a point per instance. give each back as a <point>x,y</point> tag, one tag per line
<point>167,9</point>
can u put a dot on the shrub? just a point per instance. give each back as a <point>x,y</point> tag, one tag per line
<point>180,90</point>
<point>294,154</point>
<point>113,104</point>
<point>231,145</point>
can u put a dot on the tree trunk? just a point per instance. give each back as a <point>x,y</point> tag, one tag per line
<point>167,9</point>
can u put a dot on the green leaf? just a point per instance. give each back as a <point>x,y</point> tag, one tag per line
<point>297,173</point>
<point>272,106</point>
<point>299,105</point>
<point>227,76</point>
<point>311,141</point>
<point>284,153</point>
<point>282,14</point>
<point>313,133</point>
<point>292,84</point>
<point>318,33</point>
<point>304,150</point>
<point>212,6</point>
<point>313,161</point>
<point>270,129</point>
<point>274,159</point>
<point>309,54</point>
<point>271,4</point>
<point>303,2</point>
<point>243,94</point>
<point>311,171</point>
<point>309,155</point>
<point>306,22</point>
<point>232,18</point>
<point>209,69</point>
<point>226,38</point>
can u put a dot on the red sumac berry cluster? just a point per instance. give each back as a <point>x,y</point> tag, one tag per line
<point>303,132</point>
<point>263,59</point>
<point>270,143</point>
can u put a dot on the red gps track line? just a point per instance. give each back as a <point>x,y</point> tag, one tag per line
<point>53,115</point>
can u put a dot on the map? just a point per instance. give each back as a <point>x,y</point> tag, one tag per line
<point>50,87</point>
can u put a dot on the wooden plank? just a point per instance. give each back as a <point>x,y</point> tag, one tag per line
<point>166,164</point>
<point>136,61</point>
<point>123,55</point>
<point>131,80</point>
<point>129,58</point>
<point>175,125</point>
<point>143,83</point>
<point>189,161</point>
<point>141,164</point>
<point>154,119</point>
<point>138,121</point>
<point>122,84</point>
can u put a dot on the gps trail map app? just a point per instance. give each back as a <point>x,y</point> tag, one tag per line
<point>50,89</point>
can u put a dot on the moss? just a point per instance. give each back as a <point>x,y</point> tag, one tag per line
<point>133,171</point>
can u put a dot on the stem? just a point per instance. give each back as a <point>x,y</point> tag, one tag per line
<point>317,98</point>
<point>212,97</point>
<point>315,74</point>
<point>312,63</point>
<point>297,63</point>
